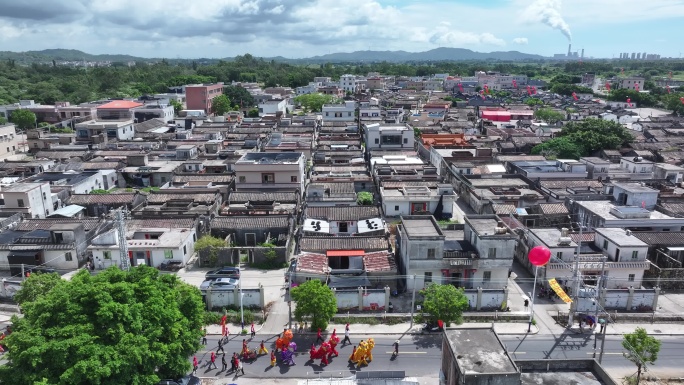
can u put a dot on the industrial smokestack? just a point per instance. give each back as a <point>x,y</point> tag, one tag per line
<point>582,56</point>
<point>569,49</point>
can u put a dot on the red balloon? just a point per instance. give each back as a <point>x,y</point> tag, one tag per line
<point>574,96</point>
<point>682,99</point>
<point>608,86</point>
<point>539,256</point>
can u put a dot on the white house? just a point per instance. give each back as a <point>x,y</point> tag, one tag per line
<point>417,200</point>
<point>34,200</point>
<point>348,83</point>
<point>627,257</point>
<point>119,129</point>
<point>396,136</point>
<point>339,112</point>
<point>272,107</point>
<point>637,165</point>
<point>9,139</point>
<point>271,170</point>
<point>496,245</point>
<point>146,246</point>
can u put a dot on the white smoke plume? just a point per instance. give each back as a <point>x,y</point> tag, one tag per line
<point>548,12</point>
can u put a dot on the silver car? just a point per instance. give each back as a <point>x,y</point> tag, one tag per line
<point>220,284</point>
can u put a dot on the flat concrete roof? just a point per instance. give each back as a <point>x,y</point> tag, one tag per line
<point>550,237</point>
<point>421,226</point>
<point>635,188</point>
<point>479,351</point>
<point>620,237</point>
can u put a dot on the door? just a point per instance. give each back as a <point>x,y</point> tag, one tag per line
<point>456,279</point>
<point>250,239</point>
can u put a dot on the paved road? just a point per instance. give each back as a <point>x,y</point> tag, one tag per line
<point>418,356</point>
<point>582,346</point>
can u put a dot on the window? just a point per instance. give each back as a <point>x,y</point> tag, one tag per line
<point>605,244</point>
<point>559,255</point>
<point>405,140</point>
<point>491,253</point>
<point>185,250</point>
<point>20,202</point>
<point>242,179</point>
<point>391,139</point>
<point>268,178</point>
<point>635,254</point>
<point>428,277</point>
<point>396,208</point>
<point>630,278</point>
<point>168,254</point>
<point>431,253</point>
<point>377,141</point>
<point>486,276</point>
<point>68,257</point>
<point>107,254</point>
<point>293,179</point>
<point>344,227</point>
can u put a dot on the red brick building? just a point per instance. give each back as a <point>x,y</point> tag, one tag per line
<point>199,96</point>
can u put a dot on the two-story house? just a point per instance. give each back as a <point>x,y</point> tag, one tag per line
<point>388,137</point>
<point>495,244</point>
<point>344,221</point>
<point>637,165</point>
<point>268,170</point>
<point>626,258</point>
<point>34,200</point>
<point>635,194</point>
<point>345,112</point>
<point>417,198</point>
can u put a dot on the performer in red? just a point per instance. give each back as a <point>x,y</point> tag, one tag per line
<point>273,358</point>
<point>312,352</point>
<point>319,337</point>
<point>244,346</point>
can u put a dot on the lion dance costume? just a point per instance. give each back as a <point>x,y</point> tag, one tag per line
<point>287,355</point>
<point>364,353</point>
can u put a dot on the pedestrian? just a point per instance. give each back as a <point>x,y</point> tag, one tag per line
<point>301,327</point>
<point>306,325</point>
<point>213,361</point>
<point>204,336</point>
<point>252,330</point>
<point>233,363</point>
<point>220,347</point>
<point>195,364</point>
<point>396,348</point>
<point>224,364</point>
<point>319,337</point>
<point>240,368</point>
<point>527,303</point>
<point>346,336</point>
<point>351,358</point>
<point>602,326</point>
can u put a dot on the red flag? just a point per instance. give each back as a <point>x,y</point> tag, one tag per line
<point>574,96</point>
<point>534,89</point>
<point>515,84</point>
<point>629,101</point>
<point>682,99</point>
<point>482,94</point>
<point>608,86</point>
<point>460,87</point>
<point>486,89</point>
<point>636,87</point>
<point>529,90</point>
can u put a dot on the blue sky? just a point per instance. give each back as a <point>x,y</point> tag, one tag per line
<point>303,28</point>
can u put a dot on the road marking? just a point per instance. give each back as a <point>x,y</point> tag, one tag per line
<point>605,353</point>
<point>519,352</point>
<point>408,353</point>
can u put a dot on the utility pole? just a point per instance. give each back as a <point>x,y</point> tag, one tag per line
<point>599,283</point>
<point>413,299</point>
<point>603,341</point>
<point>576,277</point>
<point>23,274</point>
<point>120,217</point>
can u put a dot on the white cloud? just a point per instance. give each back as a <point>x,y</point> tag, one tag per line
<point>520,40</point>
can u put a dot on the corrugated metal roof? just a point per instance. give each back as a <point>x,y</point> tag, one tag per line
<point>69,211</point>
<point>345,213</point>
<point>45,224</point>
<point>343,243</point>
<point>252,222</point>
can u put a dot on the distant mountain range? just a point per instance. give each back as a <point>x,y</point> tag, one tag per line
<point>437,54</point>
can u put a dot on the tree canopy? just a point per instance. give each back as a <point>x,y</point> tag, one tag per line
<point>548,115</point>
<point>586,136</point>
<point>364,198</point>
<point>642,99</point>
<point>113,328</point>
<point>220,105</point>
<point>444,302</point>
<point>641,349</point>
<point>210,246</point>
<point>316,301</point>
<point>239,95</point>
<point>23,118</point>
<point>314,102</point>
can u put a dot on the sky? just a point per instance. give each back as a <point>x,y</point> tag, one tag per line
<point>305,28</point>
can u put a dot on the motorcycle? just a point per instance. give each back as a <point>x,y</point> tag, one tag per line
<point>430,328</point>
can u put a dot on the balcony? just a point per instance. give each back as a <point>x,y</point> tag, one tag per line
<point>460,259</point>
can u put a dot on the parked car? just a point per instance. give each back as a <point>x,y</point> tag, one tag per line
<point>39,269</point>
<point>224,272</point>
<point>187,380</point>
<point>220,284</point>
<point>171,265</point>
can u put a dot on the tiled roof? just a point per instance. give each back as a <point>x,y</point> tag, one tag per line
<point>553,208</point>
<point>312,263</point>
<point>196,197</point>
<point>675,208</point>
<point>661,238</point>
<point>217,178</point>
<point>90,199</point>
<point>570,183</point>
<point>379,261</point>
<point>119,104</point>
<point>343,243</point>
<point>45,224</point>
<point>503,209</point>
<point>512,222</point>
<point>242,197</point>
<point>176,223</point>
<point>60,154</point>
<point>344,213</point>
<point>249,223</point>
<point>340,187</point>
<point>51,246</point>
<point>394,184</point>
<point>586,237</point>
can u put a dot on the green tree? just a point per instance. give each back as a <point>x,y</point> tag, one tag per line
<point>563,148</point>
<point>314,102</point>
<point>210,246</point>
<point>177,106</point>
<point>316,301</point>
<point>239,95</point>
<point>220,105</point>
<point>596,134</point>
<point>641,349</point>
<point>674,103</point>
<point>534,102</point>
<point>115,327</point>
<point>568,89</point>
<point>253,113</point>
<point>23,118</point>
<point>444,302</point>
<point>548,115</point>
<point>364,198</point>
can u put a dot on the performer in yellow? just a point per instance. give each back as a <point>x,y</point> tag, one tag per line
<point>370,345</point>
<point>262,348</point>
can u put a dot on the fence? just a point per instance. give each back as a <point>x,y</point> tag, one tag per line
<point>487,299</point>
<point>9,288</point>
<point>251,298</point>
<point>362,299</point>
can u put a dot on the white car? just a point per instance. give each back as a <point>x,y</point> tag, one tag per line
<point>220,284</point>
